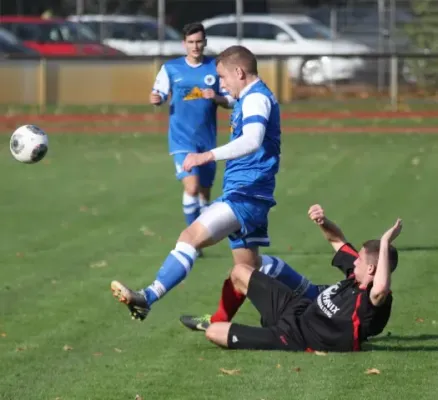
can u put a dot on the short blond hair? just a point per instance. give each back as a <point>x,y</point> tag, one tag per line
<point>239,56</point>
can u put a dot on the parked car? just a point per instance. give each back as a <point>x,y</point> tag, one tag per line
<point>361,24</point>
<point>319,57</point>
<point>134,35</point>
<point>56,37</point>
<point>11,46</point>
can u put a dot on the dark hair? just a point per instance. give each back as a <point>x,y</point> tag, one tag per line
<point>240,56</point>
<point>193,28</point>
<point>372,249</point>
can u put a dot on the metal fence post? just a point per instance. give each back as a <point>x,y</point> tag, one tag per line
<point>394,57</point>
<point>42,85</point>
<point>161,25</point>
<point>239,14</point>
<point>394,82</point>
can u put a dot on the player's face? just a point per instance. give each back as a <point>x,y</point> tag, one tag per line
<point>195,44</point>
<point>229,79</point>
<point>362,267</point>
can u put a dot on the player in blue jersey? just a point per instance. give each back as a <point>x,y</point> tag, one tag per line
<point>193,84</point>
<point>241,213</point>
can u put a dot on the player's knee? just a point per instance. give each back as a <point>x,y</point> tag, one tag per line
<point>211,333</point>
<point>218,333</point>
<point>191,186</point>
<point>240,274</point>
<point>196,235</point>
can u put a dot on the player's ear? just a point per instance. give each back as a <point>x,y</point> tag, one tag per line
<point>372,268</point>
<point>240,73</point>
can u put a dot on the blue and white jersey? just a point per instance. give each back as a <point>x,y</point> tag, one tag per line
<point>254,175</point>
<point>192,121</point>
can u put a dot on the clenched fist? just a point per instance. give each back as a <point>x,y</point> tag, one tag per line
<point>316,214</point>
<point>208,94</point>
<point>155,98</point>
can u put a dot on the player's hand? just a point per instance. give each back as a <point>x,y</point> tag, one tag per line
<point>316,214</point>
<point>155,98</point>
<point>195,159</point>
<point>208,94</point>
<point>392,233</point>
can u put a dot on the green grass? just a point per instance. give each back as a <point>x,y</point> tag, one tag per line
<point>93,200</point>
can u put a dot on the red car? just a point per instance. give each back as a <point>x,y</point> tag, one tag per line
<point>56,37</point>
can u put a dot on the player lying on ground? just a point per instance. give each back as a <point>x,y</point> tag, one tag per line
<point>194,85</point>
<point>340,318</point>
<point>241,213</point>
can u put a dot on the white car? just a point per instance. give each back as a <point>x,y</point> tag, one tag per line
<point>284,35</point>
<point>134,35</point>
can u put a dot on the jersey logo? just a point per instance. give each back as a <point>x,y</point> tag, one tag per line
<point>325,302</point>
<point>194,94</point>
<point>209,80</point>
<point>177,80</point>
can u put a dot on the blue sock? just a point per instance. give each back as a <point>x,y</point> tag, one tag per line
<point>175,268</point>
<point>190,208</point>
<point>280,270</point>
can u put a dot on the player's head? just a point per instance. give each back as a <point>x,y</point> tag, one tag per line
<point>236,66</point>
<point>366,264</point>
<point>194,39</point>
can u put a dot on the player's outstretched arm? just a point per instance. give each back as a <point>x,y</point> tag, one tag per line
<point>382,277</point>
<point>161,88</point>
<point>329,229</point>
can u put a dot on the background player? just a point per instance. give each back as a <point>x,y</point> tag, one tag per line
<point>241,212</point>
<point>340,318</point>
<point>193,84</point>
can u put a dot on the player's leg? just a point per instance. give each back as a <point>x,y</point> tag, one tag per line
<point>191,187</point>
<point>207,174</point>
<point>219,332</point>
<point>244,244</point>
<point>231,300</point>
<point>280,270</point>
<point>271,298</point>
<point>216,223</point>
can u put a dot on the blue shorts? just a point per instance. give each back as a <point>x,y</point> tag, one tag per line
<point>252,214</point>
<point>206,173</point>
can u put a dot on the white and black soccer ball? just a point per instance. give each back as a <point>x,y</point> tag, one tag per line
<point>29,144</point>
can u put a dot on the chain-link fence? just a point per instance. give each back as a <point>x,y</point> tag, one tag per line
<point>347,48</point>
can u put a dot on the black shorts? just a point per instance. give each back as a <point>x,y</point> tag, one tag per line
<point>278,310</point>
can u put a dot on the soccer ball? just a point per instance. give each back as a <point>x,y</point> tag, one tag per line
<point>29,144</point>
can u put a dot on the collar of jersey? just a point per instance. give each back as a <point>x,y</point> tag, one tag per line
<point>246,89</point>
<point>193,65</point>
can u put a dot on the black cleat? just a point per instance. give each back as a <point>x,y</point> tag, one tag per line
<point>196,323</point>
<point>135,301</point>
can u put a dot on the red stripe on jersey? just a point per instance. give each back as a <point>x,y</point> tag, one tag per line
<point>356,324</point>
<point>347,249</point>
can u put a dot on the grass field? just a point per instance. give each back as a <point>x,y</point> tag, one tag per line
<point>108,207</point>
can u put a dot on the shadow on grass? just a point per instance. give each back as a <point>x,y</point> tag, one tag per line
<point>402,343</point>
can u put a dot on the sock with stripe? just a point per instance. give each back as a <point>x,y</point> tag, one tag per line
<point>190,208</point>
<point>283,272</point>
<point>175,268</point>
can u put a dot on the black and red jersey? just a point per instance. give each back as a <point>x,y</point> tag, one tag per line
<point>342,316</point>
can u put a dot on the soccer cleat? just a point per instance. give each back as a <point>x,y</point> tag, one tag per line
<point>135,301</point>
<point>200,253</point>
<point>196,323</point>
